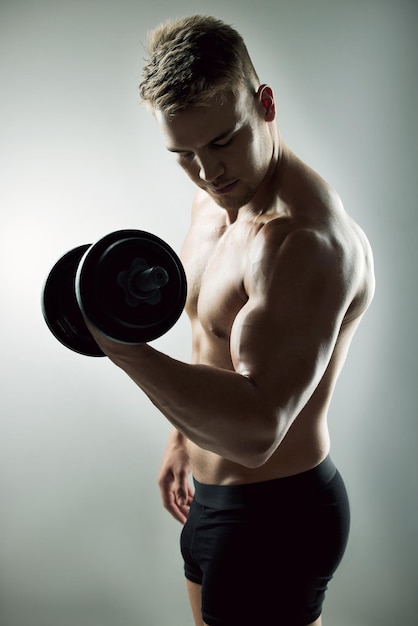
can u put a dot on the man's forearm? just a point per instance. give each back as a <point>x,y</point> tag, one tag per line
<point>217,409</point>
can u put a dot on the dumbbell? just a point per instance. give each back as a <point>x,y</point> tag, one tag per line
<point>130,285</point>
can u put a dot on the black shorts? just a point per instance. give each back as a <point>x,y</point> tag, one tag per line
<point>264,553</point>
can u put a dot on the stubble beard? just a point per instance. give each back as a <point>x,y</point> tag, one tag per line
<point>235,203</point>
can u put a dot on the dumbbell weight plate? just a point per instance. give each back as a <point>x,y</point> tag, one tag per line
<point>102,299</point>
<point>60,308</point>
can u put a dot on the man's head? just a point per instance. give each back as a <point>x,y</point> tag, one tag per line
<point>203,90</point>
<point>191,61</point>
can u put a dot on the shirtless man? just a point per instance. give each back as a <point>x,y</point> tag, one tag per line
<point>279,277</point>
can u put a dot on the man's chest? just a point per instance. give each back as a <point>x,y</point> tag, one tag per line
<point>215,266</point>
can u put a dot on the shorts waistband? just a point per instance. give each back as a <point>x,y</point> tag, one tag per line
<point>250,494</point>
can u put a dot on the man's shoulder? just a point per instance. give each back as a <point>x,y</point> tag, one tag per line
<point>332,247</point>
<point>321,232</point>
<point>288,238</point>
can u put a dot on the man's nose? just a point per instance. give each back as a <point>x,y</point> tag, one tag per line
<point>210,168</point>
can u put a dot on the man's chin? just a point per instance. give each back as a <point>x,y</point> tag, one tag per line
<point>233,203</point>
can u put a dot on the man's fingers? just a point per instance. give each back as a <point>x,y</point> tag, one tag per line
<point>176,501</point>
<point>178,511</point>
<point>182,488</point>
<point>181,496</point>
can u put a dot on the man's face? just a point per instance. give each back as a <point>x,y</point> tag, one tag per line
<point>224,148</point>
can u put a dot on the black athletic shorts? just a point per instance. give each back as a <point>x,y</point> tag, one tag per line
<point>264,553</point>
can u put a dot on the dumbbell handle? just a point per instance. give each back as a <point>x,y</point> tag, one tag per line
<point>150,279</point>
<point>142,283</point>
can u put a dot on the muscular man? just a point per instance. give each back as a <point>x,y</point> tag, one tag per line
<point>279,277</point>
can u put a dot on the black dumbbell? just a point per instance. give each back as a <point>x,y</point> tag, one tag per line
<point>130,285</point>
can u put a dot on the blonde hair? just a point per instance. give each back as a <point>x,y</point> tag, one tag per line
<point>193,59</point>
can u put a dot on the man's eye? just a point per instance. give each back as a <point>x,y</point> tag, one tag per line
<point>224,143</point>
<point>185,155</point>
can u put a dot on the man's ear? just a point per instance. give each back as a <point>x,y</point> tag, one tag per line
<point>265,97</point>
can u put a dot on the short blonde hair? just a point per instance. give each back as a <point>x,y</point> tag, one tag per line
<point>193,59</point>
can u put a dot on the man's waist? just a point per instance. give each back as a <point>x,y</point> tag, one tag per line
<point>252,494</point>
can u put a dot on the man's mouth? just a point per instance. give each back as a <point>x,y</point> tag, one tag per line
<point>221,190</point>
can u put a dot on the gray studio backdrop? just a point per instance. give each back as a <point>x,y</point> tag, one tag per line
<point>84,540</point>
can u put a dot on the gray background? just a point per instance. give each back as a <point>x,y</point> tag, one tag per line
<point>84,540</point>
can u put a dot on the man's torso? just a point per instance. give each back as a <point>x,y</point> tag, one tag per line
<point>216,256</point>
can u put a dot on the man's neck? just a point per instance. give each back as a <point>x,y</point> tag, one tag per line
<point>265,198</point>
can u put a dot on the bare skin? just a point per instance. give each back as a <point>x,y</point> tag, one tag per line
<point>279,277</point>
